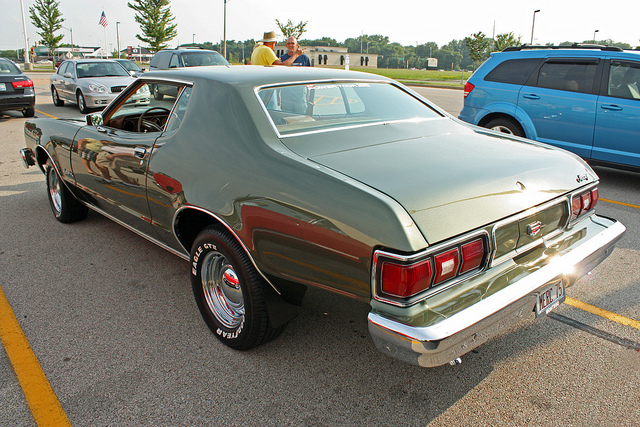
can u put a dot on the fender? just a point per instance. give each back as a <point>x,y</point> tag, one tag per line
<point>511,110</point>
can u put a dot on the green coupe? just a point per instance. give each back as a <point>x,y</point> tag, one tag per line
<point>270,179</point>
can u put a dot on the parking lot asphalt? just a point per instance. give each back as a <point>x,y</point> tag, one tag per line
<point>111,322</point>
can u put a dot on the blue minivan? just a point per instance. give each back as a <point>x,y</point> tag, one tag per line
<point>585,99</point>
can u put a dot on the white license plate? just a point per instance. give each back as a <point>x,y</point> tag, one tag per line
<point>549,298</point>
<point>2,86</point>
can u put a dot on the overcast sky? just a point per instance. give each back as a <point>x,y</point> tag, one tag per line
<point>407,22</point>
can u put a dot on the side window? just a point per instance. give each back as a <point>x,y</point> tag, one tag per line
<point>174,61</point>
<point>63,68</point>
<point>141,111</point>
<point>624,80</point>
<point>179,110</point>
<point>571,76</point>
<point>514,71</point>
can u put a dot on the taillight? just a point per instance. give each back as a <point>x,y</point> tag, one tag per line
<point>405,280</point>
<point>472,255</point>
<point>446,265</point>
<point>22,84</point>
<point>582,203</point>
<point>468,87</point>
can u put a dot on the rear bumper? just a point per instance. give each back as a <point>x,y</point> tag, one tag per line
<point>460,333</point>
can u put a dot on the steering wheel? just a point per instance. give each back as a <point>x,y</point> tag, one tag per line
<point>147,124</point>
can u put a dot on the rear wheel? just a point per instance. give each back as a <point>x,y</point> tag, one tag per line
<point>56,98</point>
<point>229,291</point>
<point>82,106</point>
<point>507,126</point>
<point>29,112</point>
<point>66,208</point>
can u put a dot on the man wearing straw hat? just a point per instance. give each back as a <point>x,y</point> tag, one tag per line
<point>264,55</point>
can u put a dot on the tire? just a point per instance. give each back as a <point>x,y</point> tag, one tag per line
<point>229,291</point>
<point>507,126</point>
<point>82,106</point>
<point>29,112</point>
<point>56,98</point>
<point>66,208</point>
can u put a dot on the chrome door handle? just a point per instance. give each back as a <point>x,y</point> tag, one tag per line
<point>139,152</point>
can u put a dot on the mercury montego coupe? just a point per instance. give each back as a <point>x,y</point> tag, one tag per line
<point>271,179</point>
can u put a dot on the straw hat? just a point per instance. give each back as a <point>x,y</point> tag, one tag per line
<point>269,37</point>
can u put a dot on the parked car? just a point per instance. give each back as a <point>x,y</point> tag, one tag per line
<point>90,83</point>
<point>134,69</point>
<point>16,89</point>
<point>269,179</point>
<point>585,99</point>
<point>179,58</point>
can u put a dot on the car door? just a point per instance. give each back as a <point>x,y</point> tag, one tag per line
<point>561,103</point>
<point>57,79</point>
<point>617,130</point>
<point>69,84</point>
<point>110,160</point>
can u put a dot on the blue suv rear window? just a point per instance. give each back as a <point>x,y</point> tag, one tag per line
<point>514,71</point>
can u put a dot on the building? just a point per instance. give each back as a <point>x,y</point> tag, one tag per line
<point>332,56</point>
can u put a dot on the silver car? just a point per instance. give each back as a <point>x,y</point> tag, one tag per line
<point>90,83</point>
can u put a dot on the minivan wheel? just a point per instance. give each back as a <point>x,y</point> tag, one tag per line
<point>507,126</point>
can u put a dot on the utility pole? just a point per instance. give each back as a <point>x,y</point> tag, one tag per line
<point>27,64</point>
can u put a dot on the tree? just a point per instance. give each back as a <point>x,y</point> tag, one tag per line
<point>478,46</point>
<point>503,41</point>
<point>292,30</point>
<point>46,17</point>
<point>156,23</point>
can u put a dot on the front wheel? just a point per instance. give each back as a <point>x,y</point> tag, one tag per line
<point>56,98</point>
<point>229,291</point>
<point>82,106</point>
<point>66,208</point>
<point>507,126</point>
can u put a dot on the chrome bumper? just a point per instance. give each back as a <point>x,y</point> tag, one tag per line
<point>28,158</point>
<point>460,333</point>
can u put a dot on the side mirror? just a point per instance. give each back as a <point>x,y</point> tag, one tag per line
<point>67,75</point>
<point>94,119</point>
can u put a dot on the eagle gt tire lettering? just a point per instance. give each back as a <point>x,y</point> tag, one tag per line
<point>229,292</point>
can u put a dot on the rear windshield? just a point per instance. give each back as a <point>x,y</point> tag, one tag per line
<point>7,67</point>
<point>325,106</point>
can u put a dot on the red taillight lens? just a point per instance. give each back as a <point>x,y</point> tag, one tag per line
<point>472,255</point>
<point>22,84</point>
<point>446,265</point>
<point>468,87</point>
<point>405,280</point>
<point>595,196</point>
<point>583,203</point>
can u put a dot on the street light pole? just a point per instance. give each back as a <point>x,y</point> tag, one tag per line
<point>118,38</point>
<point>71,33</point>
<point>224,52</point>
<point>594,35</point>
<point>193,39</point>
<point>27,64</point>
<point>533,24</point>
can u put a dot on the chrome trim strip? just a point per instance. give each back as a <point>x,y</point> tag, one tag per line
<point>216,217</point>
<point>424,254</point>
<point>494,303</point>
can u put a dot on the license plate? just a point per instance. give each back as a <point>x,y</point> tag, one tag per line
<point>2,86</point>
<point>549,298</point>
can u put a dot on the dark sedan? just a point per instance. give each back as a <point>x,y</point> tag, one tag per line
<point>271,179</point>
<point>16,89</point>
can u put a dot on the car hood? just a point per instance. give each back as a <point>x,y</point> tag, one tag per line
<point>457,179</point>
<point>106,81</point>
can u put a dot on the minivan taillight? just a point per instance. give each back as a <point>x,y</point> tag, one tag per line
<point>468,87</point>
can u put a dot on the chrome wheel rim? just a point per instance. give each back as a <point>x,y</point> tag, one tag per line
<point>502,129</point>
<point>222,291</point>
<point>55,191</point>
<point>54,94</point>
<point>81,104</point>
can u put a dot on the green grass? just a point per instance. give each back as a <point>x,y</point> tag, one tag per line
<point>448,78</point>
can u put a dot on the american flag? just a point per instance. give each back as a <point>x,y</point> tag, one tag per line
<point>103,20</point>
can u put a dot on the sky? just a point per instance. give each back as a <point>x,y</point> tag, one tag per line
<point>407,22</point>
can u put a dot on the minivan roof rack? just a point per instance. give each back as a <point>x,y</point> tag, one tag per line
<point>573,46</point>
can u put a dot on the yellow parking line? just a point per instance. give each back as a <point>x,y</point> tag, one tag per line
<point>620,203</point>
<point>44,404</point>
<point>603,313</point>
<point>48,115</point>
